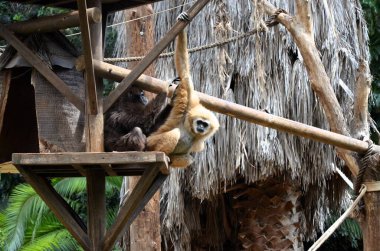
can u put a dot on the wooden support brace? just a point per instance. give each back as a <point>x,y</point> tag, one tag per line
<point>54,23</point>
<point>58,205</point>
<point>141,204</point>
<point>241,112</point>
<point>145,188</point>
<point>91,96</point>
<point>41,67</point>
<point>152,55</point>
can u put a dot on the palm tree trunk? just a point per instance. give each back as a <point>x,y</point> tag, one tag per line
<point>144,232</point>
<point>270,216</point>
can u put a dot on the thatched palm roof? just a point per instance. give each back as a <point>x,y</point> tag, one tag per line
<point>263,72</point>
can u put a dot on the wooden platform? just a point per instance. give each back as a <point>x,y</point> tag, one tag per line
<point>152,166</point>
<point>78,163</point>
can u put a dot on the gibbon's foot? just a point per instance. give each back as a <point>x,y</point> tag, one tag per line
<point>183,17</point>
<point>132,141</point>
<point>181,160</point>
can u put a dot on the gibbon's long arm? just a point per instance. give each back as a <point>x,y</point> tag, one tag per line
<point>183,93</point>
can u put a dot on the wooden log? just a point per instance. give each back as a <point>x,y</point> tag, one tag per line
<point>41,67</point>
<point>91,97</point>
<point>241,112</point>
<point>54,23</point>
<point>152,55</point>
<point>65,214</point>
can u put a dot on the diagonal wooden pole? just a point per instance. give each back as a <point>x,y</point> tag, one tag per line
<point>152,55</point>
<point>41,67</point>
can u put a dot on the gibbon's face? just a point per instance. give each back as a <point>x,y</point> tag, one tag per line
<point>136,95</point>
<point>201,126</point>
<point>202,122</point>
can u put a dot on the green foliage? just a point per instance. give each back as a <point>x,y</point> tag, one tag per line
<point>28,224</point>
<point>372,15</point>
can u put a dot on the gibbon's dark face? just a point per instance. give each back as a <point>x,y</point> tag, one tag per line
<point>136,95</point>
<point>201,126</point>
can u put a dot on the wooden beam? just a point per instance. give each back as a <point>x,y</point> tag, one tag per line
<point>96,207</point>
<point>152,55</point>
<point>91,97</point>
<point>130,206</point>
<point>41,67</point>
<point>58,205</point>
<point>87,158</point>
<point>241,112</point>
<point>54,23</point>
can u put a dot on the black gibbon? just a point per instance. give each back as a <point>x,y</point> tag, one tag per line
<point>189,123</point>
<point>128,122</point>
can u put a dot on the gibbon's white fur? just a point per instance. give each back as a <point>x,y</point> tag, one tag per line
<point>189,123</point>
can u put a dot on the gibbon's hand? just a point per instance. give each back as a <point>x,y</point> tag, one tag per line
<point>184,17</point>
<point>176,79</point>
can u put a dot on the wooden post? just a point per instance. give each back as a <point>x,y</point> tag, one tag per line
<point>94,130</point>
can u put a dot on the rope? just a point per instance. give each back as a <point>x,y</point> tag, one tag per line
<point>364,163</point>
<point>132,20</point>
<point>195,49</point>
<point>272,21</point>
<point>337,223</point>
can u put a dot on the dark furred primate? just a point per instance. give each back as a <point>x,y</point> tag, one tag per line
<point>131,119</point>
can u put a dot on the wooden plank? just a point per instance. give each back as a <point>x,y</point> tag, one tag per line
<point>132,203</point>
<point>152,55</point>
<point>8,167</point>
<point>54,23</point>
<point>58,205</point>
<point>91,97</point>
<point>96,208</point>
<point>41,67</point>
<point>4,95</point>
<point>87,158</point>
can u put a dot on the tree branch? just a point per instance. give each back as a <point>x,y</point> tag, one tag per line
<point>300,28</point>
